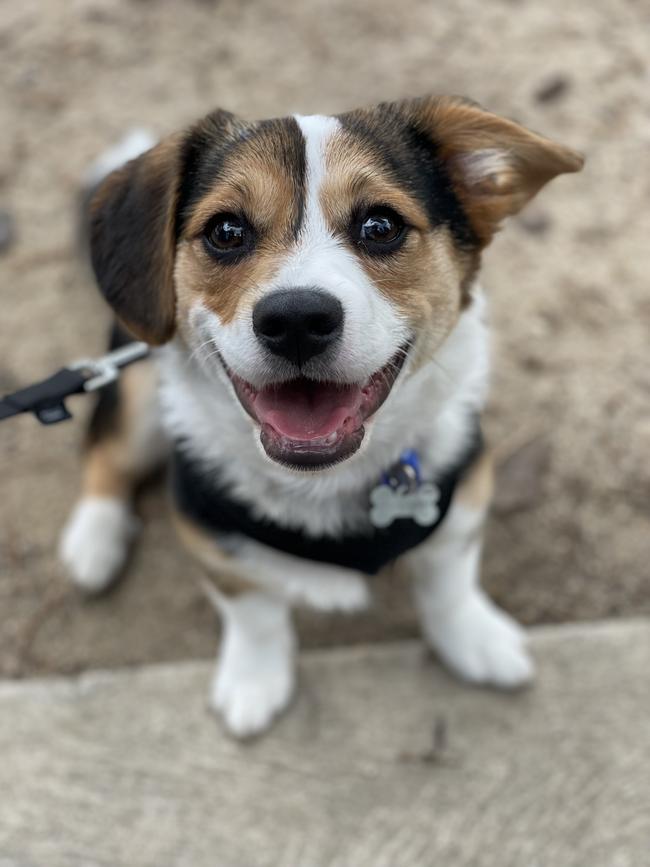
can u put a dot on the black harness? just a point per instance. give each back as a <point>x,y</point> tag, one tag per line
<point>208,501</point>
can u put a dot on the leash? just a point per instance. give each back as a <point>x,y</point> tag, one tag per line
<point>45,399</point>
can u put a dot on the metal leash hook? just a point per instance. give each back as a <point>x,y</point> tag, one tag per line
<point>106,369</point>
<point>45,399</point>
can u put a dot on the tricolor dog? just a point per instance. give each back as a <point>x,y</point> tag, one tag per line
<point>322,365</point>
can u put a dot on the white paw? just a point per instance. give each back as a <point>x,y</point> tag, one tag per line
<point>95,542</point>
<point>255,676</point>
<point>481,643</point>
<point>249,700</point>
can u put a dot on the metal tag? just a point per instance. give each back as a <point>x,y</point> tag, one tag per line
<point>419,503</point>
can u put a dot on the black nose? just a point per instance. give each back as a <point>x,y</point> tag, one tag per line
<point>298,323</point>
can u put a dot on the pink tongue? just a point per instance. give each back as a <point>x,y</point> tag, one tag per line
<point>305,410</point>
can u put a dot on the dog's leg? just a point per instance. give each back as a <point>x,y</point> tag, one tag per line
<point>125,443</point>
<point>476,640</point>
<point>255,675</point>
<point>253,588</point>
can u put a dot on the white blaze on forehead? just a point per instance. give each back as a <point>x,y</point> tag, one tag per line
<point>317,130</point>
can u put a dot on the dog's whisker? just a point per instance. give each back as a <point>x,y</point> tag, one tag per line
<point>196,352</point>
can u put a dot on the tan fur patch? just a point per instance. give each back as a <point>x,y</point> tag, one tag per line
<point>116,461</point>
<point>475,490</point>
<point>424,278</point>
<point>213,559</point>
<point>496,164</point>
<point>224,289</point>
<point>256,180</point>
<point>354,179</point>
<point>105,473</point>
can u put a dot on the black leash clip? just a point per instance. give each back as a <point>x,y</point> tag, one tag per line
<point>46,398</point>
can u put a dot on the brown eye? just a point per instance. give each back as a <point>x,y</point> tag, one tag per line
<point>381,230</point>
<point>227,235</point>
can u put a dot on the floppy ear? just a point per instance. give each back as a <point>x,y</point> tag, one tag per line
<point>495,165</point>
<point>132,240</point>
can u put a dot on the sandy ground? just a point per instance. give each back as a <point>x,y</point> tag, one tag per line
<point>569,538</point>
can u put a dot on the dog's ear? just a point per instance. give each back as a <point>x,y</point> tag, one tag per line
<point>495,165</point>
<point>132,240</point>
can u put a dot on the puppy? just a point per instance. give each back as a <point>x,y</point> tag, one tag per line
<point>311,283</point>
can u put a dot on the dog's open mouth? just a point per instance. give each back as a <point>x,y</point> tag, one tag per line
<point>308,424</point>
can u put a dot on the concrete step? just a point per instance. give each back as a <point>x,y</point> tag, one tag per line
<point>384,761</point>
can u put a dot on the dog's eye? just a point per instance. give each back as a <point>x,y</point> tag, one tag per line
<point>227,234</point>
<point>381,230</point>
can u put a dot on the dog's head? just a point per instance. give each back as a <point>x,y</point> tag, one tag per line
<point>314,260</point>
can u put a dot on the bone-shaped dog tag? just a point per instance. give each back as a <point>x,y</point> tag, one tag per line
<point>420,504</point>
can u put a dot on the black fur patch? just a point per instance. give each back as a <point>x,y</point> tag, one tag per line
<point>410,157</point>
<point>132,243</point>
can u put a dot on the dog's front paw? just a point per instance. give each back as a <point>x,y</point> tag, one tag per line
<point>255,674</point>
<point>249,697</point>
<point>96,540</point>
<point>482,644</point>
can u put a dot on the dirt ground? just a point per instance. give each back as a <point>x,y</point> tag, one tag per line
<point>569,538</point>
